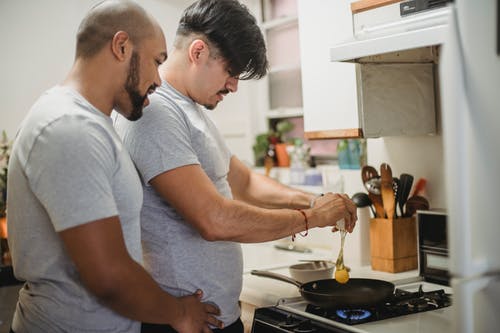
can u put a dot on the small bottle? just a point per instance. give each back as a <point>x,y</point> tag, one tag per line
<point>297,164</point>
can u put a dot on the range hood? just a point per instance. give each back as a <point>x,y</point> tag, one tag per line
<point>392,26</point>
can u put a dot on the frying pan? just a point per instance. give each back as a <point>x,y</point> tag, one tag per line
<point>329,293</point>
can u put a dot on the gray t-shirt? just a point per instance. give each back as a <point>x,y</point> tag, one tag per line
<point>68,167</point>
<point>173,132</point>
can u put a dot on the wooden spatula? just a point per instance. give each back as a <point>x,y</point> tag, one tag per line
<point>387,190</point>
<point>377,203</point>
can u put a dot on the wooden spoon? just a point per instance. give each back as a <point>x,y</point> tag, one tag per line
<point>415,203</point>
<point>368,172</point>
<point>387,190</point>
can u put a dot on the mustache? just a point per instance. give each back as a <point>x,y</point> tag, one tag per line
<point>151,89</point>
<point>224,92</point>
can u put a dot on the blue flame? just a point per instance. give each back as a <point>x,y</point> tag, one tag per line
<point>354,314</point>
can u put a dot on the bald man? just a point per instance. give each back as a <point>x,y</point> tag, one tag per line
<point>75,197</point>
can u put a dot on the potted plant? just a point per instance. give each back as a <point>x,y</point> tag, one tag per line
<point>265,143</point>
<point>5,146</point>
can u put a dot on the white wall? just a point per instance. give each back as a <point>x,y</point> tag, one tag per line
<point>38,42</point>
<point>240,116</point>
<point>418,156</point>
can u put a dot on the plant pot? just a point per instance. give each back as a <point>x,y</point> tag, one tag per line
<point>282,155</point>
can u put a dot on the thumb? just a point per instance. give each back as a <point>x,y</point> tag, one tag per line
<point>198,293</point>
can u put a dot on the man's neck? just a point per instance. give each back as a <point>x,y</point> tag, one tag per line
<point>90,81</point>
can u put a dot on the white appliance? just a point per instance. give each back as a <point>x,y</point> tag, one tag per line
<point>470,90</point>
<point>387,26</point>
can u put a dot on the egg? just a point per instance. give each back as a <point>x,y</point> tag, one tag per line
<point>342,275</point>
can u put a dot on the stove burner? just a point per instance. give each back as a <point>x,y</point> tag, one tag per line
<point>353,314</point>
<point>289,322</point>
<point>420,304</point>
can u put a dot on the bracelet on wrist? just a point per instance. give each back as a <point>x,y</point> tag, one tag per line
<point>313,200</point>
<point>305,221</point>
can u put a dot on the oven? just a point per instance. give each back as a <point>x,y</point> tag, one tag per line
<point>419,305</point>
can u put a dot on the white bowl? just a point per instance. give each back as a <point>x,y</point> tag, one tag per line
<point>312,271</point>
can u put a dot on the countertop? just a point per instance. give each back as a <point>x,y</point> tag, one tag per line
<point>260,291</point>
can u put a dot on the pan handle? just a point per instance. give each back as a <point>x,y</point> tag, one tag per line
<point>276,276</point>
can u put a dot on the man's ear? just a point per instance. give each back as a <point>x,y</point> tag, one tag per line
<point>198,51</point>
<point>120,45</point>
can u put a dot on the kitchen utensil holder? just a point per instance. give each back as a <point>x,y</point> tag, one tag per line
<point>393,244</point>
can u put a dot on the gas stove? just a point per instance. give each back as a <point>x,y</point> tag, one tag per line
<point>420,307</point>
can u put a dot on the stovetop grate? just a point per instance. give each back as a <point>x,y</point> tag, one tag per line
<point>402,303</point>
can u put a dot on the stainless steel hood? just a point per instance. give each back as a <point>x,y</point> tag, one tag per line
<point>385,30</point>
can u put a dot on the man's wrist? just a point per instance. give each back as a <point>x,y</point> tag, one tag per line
<point>313,200</point>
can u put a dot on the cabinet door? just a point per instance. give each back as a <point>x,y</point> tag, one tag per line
<point>328,88</point>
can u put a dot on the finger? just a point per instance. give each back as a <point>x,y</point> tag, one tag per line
<point>198,293</point>
<point>206,329</point>
<point>347,221</point>
<point>215,322</point>
<point>351,206</point>
<point>353,221</point>
<point>212,309</point>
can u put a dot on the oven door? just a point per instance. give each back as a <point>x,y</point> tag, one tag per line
<point>273,319</point>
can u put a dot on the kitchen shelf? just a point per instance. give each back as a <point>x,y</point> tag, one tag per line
<point>284,113</point>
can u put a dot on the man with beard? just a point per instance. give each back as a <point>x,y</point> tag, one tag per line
<point>200,201</point>
<point>75,197</point>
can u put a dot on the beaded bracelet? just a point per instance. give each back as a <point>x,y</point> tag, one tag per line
<point>307,224</point>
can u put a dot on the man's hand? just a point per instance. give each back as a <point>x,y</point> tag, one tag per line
<point>196,316</point>
<point>331,208</point>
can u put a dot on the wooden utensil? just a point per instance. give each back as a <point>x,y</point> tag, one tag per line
<point>368,172</point>
<point>377,203</point>
<point>387,190</point>
<point>419,187</point>
<point>415,203</point>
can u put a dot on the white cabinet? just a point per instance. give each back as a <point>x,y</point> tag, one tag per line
<point>329,88</point>
<point>386,95</point>
<point>283,83</point>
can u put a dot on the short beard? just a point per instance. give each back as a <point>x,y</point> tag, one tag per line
<point>131,86</point>
<point>209,106</point>
<point>213,106</point>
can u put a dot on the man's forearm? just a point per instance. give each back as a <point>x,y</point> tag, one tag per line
<point>265,192</point>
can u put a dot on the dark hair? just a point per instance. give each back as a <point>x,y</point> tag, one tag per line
<point>231,28</point>
<point>107,18</point>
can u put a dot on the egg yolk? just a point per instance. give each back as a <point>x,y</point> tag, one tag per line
<point>341,275</point>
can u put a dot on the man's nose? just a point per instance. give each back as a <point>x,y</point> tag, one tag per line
<point>232,84</point>
<point>157,79</point>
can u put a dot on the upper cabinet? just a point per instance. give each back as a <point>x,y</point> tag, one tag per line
<point>284,82</point>
<point>389,95</point>
<point>329,88</point>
